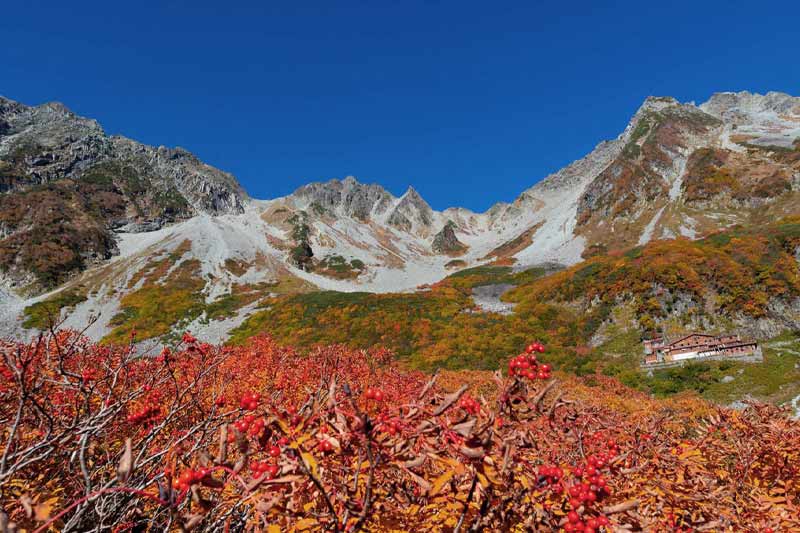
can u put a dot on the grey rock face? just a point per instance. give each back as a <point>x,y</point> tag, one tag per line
<point>346,197</point>
<point>364,202</point>
<point>487,298</point>
<point>446,241</point>
<point>69,186</point>
<point>207,189</point>
<point>771,119</point>
<point>735,107</point>
<point>410,212</point>
<point>141,227</point>
<point>48,142</point>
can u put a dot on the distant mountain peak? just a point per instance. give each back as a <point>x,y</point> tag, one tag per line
<point>346,197</point>
<point>657,103</point>
<point>412,213</point>
<point>72,145</point>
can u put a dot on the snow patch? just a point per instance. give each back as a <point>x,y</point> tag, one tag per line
<point>647,234</point>
<point>677,180</point>
<point>687,229</point>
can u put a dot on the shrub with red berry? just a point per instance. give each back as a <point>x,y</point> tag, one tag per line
<point>98,437</point>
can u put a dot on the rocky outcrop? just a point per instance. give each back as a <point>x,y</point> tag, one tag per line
<point>446,242</point>
<point>664,131</point>
<point>771,119</point>
<point>345,197</point>
<point>366,202</point>
<point>412,214</point>
<point>65,186</point>
<point>47,143</point>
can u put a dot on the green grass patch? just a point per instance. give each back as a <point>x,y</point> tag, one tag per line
<point>469,278</point>
<point>42,315</point>
<point>160,303</point>
<point>428,330</point>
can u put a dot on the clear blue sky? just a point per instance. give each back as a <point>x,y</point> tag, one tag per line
<point>469,102</point>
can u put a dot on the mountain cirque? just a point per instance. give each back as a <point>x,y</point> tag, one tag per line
<point>111,219</point>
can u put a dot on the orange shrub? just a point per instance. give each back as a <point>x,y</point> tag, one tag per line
<point>261,438</point>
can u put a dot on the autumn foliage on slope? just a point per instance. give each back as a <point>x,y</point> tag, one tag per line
<point>263,438</point>
<point>737,272</point>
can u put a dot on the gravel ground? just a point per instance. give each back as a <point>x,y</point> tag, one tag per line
<point>487,298</point>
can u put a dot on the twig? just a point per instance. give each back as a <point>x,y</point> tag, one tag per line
<point>466,504</point>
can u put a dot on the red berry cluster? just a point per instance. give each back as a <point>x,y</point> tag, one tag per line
<point>374,394</point>
<point>526,365</point>
<point>265,469</point>
<point>190,477</point>
<point>469,404</point>
<point>250,401</point>
<point>88,375</point>
<point>150,409</point>
<point>7,373</point>
<point>250,424</point>
<point>389,424</point>
<point>575,524</point>
<point>551,474</point>
<point>587,486</point>
<point>602,458</point>
<point>188,338</point>
<point>535,347</point>
<point>590,487</point>
<point>163,357</point>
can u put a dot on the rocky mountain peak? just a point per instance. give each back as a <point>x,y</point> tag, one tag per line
<point>657,103</point>
<point>351,198</point>
<point>628,190</point>
<point>8,106</point>
<point>347,197</point>
<point>70,187</point>
<point>46,143</point>
<point>412,213</point>
<point>667,106</point>
<point>413,198</point>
